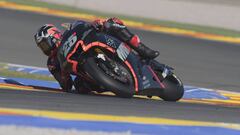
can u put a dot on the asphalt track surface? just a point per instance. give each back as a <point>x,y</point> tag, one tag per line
<point>198,62</point>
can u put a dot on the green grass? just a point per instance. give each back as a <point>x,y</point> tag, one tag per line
<point>197,28</point>
<point>7,73</point>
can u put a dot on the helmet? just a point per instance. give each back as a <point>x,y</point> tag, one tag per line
<point>48,38</point>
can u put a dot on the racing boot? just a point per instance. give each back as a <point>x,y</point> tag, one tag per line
<point>146,52</point>
<point>143,51</point>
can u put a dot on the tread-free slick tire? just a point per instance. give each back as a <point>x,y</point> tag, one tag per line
<point>174,89</point>
<point>121,90</point>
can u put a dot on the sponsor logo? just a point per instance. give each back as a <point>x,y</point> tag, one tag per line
<point>119,26</point>
<point>110,42</point>
<point>165,73</point>
<point>146,82</point>
<point>41,36</point>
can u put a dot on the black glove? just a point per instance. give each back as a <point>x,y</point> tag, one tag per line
<point>98,25</point>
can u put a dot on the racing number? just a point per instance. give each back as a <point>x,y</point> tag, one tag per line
<point>69,43</point>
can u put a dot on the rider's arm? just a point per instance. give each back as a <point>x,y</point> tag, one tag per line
<point>108,25</point>
<point>63,78</point>
<point>116,27</point>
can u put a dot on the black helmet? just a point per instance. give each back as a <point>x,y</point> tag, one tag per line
<point>47,38</point>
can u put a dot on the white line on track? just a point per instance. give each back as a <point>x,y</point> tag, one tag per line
<point>2,78</point>
<point>20,69</point>
<point>197,89</point>
<point>34,71</point>
<point>24,66</point>
<point>28,130</point>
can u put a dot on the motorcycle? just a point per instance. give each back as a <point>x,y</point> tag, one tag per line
<point>110,65</point>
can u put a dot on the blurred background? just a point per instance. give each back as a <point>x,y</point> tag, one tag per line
<point>217,13</point>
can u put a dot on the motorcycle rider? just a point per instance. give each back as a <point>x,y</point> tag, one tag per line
<point>49,38</point>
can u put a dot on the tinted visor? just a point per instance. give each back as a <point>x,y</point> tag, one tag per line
<point>45,46</point>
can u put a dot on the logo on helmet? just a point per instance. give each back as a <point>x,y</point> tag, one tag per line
<point>39,37</point>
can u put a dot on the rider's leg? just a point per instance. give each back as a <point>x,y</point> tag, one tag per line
<point>115,27</point>
<point>134,42</point>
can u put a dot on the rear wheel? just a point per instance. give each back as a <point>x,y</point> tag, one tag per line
<point>117,79</point>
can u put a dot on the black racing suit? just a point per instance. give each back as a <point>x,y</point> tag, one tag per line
<point>63,77</point>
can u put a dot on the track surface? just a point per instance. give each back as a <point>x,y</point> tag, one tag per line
<point>198,62</point>
<point>116,106</point>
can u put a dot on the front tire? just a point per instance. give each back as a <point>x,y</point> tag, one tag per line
<point>174,89</point>
<point>118,88</point>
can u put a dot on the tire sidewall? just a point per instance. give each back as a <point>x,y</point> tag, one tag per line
<point>106,81</point>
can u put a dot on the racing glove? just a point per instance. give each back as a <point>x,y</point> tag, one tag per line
<point>98,25</point>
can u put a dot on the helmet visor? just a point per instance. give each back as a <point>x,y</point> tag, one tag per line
<point>45,47</point>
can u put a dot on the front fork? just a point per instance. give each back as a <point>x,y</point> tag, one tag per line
<point>164,69</point>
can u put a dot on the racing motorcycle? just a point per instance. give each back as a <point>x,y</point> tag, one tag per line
<point>110,65</point>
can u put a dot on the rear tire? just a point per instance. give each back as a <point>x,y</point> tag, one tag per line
<point>118,88</point>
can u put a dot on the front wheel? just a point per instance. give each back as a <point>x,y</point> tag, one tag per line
<point>173,90</point>
<point>104,76</point>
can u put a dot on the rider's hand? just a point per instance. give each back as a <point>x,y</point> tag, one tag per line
<point>113,24</point>
<point>98,25</point>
